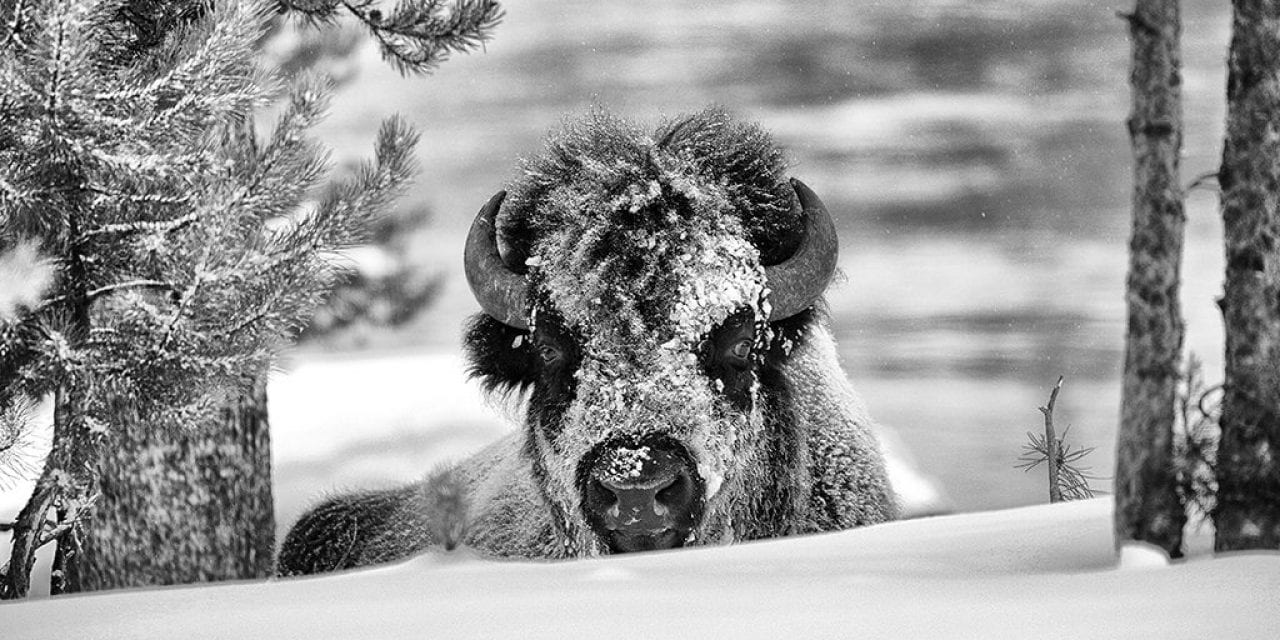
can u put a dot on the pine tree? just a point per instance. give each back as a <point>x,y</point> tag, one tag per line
<point>1246,511</point>
<point>1148,505</point>
<point>186,251</point>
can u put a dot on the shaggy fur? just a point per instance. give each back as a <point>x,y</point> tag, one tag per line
<point>645,255</point>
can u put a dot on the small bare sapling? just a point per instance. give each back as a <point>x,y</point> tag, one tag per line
<point>1067,480</point>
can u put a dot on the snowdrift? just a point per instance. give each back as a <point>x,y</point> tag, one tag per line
<point>1033,572</point>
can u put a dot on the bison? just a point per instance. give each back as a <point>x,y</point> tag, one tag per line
<point>654,300</point>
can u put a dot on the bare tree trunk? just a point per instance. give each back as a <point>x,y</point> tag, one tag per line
<point>1148,507</point>
<point>188,507</point>
<point>1247,511</point>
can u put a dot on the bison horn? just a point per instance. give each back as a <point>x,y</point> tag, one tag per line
<point>501,292</point>
<point>797,282</point>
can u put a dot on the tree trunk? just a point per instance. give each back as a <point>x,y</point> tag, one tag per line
<point>67,484</point>
<point>56,492</point>
<point>189,507</point>
<point>194,506</point>
<point>1247,511</point>
<point>1148,507</point>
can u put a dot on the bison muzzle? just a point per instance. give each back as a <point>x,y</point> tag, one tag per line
<point>641,495</point>
<point>654,300</point>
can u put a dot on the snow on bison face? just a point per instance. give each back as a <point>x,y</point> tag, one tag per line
<point>640,287</point>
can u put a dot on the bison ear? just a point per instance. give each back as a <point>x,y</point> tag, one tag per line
<point>500,356</point>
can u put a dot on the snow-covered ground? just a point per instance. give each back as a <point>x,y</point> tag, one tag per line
<point>347,421</point>
<point>1038,572</point>
<point>1034,572</point>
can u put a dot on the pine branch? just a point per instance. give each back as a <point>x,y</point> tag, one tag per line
<point>1196,435</point>
<point>188,296</point>
<point>264,311</point>
<point>136,198</point>
<point>419,35</point>
<point>147,226</point>
<point>338,220</point>
<point>289,165</point>
<point>204,78</point>
<point>17,458</point>
<point>1207,180</point>
<point>14,25</point>
<point>73,516</point>
<point>316,12</point>
<point>94,294</point>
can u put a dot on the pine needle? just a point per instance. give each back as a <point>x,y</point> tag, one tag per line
<point>19,458</point>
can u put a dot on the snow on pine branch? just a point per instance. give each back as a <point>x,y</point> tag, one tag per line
<point>24,276</point>
<point>417,35</point>
<point>167,209</point>
<point>273,179</point>
<point>205,75</point>
<point>338,220</point>
<point>18,445</point>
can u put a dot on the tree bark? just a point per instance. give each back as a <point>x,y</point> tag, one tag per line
<point>28,528</point>
<point>1247,511</point>
<point>192,506</point>
<point>67,490</point>
<point>189,507</point>
<point>1148,507</point>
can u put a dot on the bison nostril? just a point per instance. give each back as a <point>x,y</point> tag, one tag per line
<point>600,495</point>
<point>675,492</point>
<point>633,505</point>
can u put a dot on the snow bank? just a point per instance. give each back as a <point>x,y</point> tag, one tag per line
<point>1035,572</point>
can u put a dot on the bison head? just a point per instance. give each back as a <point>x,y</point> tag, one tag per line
<point>644,289</point>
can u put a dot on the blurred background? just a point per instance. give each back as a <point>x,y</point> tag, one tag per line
<point>973,152</point>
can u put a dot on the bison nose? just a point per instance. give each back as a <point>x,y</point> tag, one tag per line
<point>644,506</point>
<point>642,497</point>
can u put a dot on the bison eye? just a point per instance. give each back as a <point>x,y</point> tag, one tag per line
<point>549,354</point>
<point>727,354</point>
